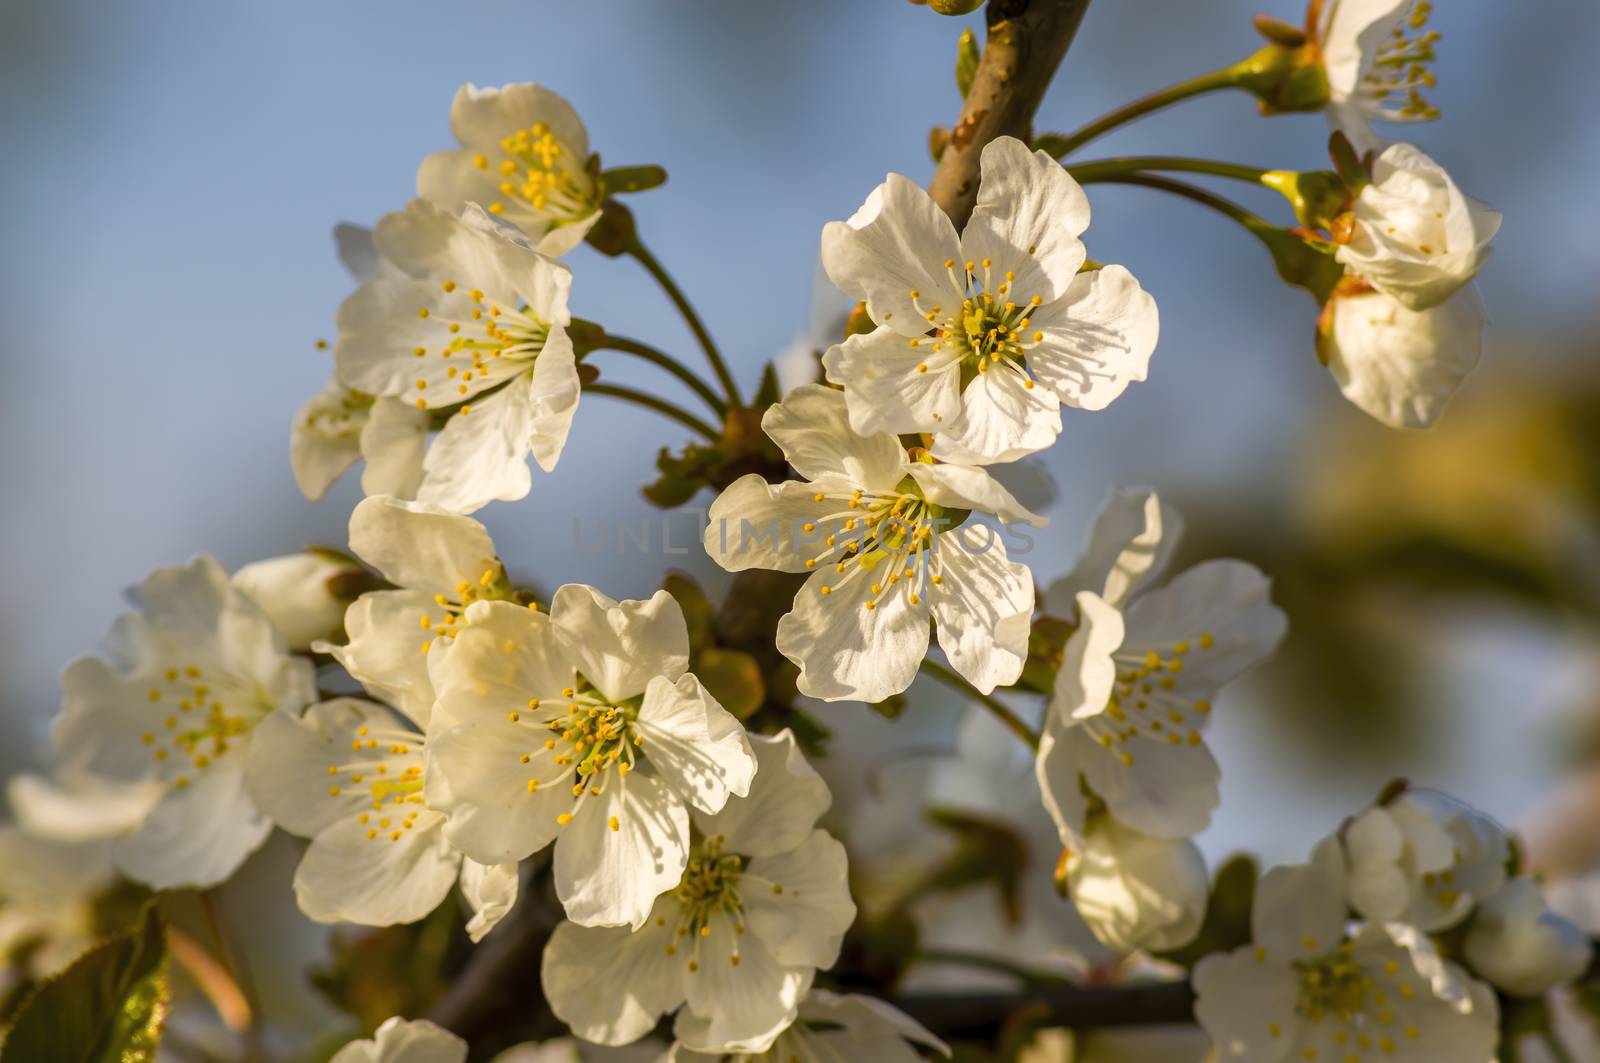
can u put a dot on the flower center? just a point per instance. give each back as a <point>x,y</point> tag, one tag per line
<point>1146,699</point>
<point>492,586</point>
<point>476,339</point>
<point>340,418</point>
<point>584,737</point>
<point>540,173</point>
<point>881,544</point>
<point>200,714</point>
<point>1399,71</point>
<point>387,764</point>
<point>987,331</point>
<point>709,891</point>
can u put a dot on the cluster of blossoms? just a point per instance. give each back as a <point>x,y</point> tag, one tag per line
<point>685,851</point>
<point>1346,961</point>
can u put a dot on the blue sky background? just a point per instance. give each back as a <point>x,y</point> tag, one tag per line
<point>173,169</point>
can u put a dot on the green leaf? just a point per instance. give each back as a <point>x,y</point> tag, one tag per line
<point>769,390</point>
<point>632,179</point>
<point>1227,921</point>
<point>967,56</point>
<point>107,1007</point>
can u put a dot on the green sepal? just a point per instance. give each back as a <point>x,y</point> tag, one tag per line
<point>632,179</point>
<point>615,232</point>
<point>108,1006</point>
<point>1317,196</point>
<point>967,56</point>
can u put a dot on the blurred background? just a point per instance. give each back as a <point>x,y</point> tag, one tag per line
<point>173,171</point>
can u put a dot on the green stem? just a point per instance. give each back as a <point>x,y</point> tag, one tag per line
<point>1011,720</point>
<point>1298,262</point>
<point>668,285</point>
<point>1107,169</point>
<point>1254,222</point>
<point>1226,78</point>
<point>661,406</point>
<point>670,364</point>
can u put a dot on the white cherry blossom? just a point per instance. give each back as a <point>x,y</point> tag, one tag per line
<point>1139,673</point>
<point>761,905</point>
<point>348,774</point>
<point>191,676</point>
<point>1414,235</point>
<point>1516,942</point>
<point>583,728</point>
<point>524,156</point>
<point>300,594</point>
<point>401,1041</point>
<point>1134,891</point>
<point>1377,55</point>
<point>968,325</point>
<point>1400,365</point>
<point>1424,859</point>
<point>1311,988</point>
<point>830,1027</point>
<point>471,325</point>
<point>440,563</point>
<point>881,535</point>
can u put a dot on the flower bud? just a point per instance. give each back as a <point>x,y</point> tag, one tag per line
<point>955,7</point>
<point>1519,944</point>
<point>1284,78</point>
<point>1136,891</point>
<point>304,594</point>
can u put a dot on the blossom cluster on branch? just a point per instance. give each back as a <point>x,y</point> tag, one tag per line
<point>642,770</point>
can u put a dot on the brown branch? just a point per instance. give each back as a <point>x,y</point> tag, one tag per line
<point>982,1016</point>
<point>1027,41</point>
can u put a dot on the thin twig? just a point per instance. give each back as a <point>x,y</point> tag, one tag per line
<point>1012,721</point>
<point>1226,78</point>
<point>661,406</point>
<point>1107,169</point>
<point>670,364</point>
<point>713,355</point>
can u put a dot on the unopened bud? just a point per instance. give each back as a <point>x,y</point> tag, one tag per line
<point>304,595</point>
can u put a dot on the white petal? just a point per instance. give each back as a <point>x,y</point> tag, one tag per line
<point>400,1041</point>
<point>503,656</point>
<point>482,117</point>
<point>786,799</point>
<point>294,591</point>
<point>611,984</point>
<point>421,547</point>
<point>196,836</point>
<point>697,747</point>
<point>1523,947</point>
<point>1028,218</point>
<point>86,812</point>
<point>845,650</point>
<point>868,1025</point>
<point>1097,339</point>
<point>812,427</point>
<point>1228,600</point>
<point>608,875</point>
<point>896,244</point>
<point>968,487</point>
<point>982,608</point>
<point>1375,884</point>
<point>804,925</point>
<point>491,892</point>
<point>1168,791</point>
<point>748,1003</point>
<point>481,456</point>
<point>1401,366</point>
<point>358,872</point>
<point>620,646</point>
<point>1135,891</point>
<point>1057,768</point>
<point>324,439</point>
<point>385,651</point>
<point>1299,908</point>
<point>1087,673</point>
<point>358,253</point>
<point>1130,542</point>
<point>474,775</point>
<point>892,384</point>
<point>1241,1000</point>
<point>1002,419</point>
<point>554,396</point>
<point>286,773</point>
<point>755,524</point>
<point>393,443</point>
